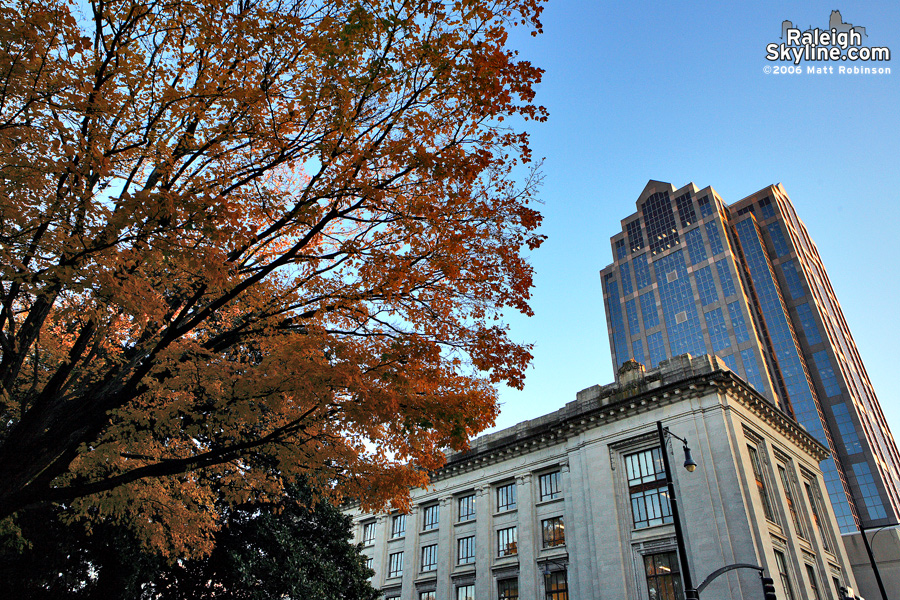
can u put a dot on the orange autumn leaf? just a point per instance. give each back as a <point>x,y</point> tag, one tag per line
<point>242,241</point>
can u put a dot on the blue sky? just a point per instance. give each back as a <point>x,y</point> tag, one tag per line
<point>677,92</point>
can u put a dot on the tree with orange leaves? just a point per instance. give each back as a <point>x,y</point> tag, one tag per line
<point>246,239</point>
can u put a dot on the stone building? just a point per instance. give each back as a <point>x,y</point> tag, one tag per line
<point>574,504</point>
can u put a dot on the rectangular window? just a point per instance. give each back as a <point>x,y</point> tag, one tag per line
<point>781,563</point>
<point>465,550</point>
<point>761,484</point>
<point>395,565</point>
<point>553,532</point>
<point>556,586</point>
<point>507,542</point>
<point>789,497</point>
<point>812,496</point>
<point>647,488</point>
<point>506,497</point>
<point>550,486</point>
<point>813,584</point>
<point>368,536</point>
<point>432,595</point>
<point>648,310</point>
<point>508,589</point>
<point>465,592</point>
<point>663,576</point>
<point>431,517</point>
<point>429,557</point>
<point>398,526</point>
<point>370,562</point>
<point>467,508</point>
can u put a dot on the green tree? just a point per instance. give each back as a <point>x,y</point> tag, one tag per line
<point>298,548</point>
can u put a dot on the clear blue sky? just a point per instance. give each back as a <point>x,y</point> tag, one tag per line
<point>677,92</point>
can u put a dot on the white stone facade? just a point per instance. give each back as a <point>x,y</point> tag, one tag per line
<point>581,451</point>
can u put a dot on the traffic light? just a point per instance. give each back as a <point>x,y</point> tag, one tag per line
<point>768,588</point>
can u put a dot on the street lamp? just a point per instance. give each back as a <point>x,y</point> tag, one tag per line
<point>689,592</point>
<point>862,530</point>
<point>545,571</point>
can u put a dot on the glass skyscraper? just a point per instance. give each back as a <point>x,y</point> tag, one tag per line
<point>745,282</point>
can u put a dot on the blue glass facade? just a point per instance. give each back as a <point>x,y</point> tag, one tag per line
<point>679,311</point>
<point>725,278</point>
<point>641,271</point>
<point>695,245</point>
<point>762,317</point>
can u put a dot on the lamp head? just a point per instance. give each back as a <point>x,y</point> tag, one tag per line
<point>689,462</point>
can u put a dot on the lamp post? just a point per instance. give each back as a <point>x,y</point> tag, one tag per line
<point>546,571</point>
<point>689,592</point>
<point>865,538</point>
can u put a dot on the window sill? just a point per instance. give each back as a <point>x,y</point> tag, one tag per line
<point>553,501</point>
<point>458,523</point>
<point>508,511</point>
<point>397,539</point>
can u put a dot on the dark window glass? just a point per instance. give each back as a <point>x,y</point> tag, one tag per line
<point>637,350</point>
<point>648,310</point>
<point>685,210</point>
<point>705,208</point>
<point>467,507</point>
<point>635,235</point>
<point>725,278</point>
<point>634,324</point>
<point>706,286</point>
<point>789,498</point>
<point>620,249</point>
<point>730,361</point>
<point>766,209</point>
<point>369,562</point>
<point>715,240</point>
<point>556,586</point>
<point>737,323</point>
<point>660,222</point>
<point>465,592</point>
<point>625,272</point>
<point>679,309</point>
<point>846,428</point>
<point>751,370</point>
<point>808,322</point>
<point>429,557</point>
<point>506,497</point>
<point>432,595</point>
<point>508,589</point>
<point>781,563</point>
<point>620,342</point>
<point>813,583</point>
<point>869,491</point>
<point>826,373</point>
<point>813,497</point>
<point>368,536</point>
<point>792,277</point>
<point>395,564</point>
<point>549,484</point>
<point>663,576</point>
<point>553,532</point>
<point>647,488</point>
<point>432,516</point>
<point>507,542</point>
<point>779,244</point>
<point>696,247</point>
<point>641,271</point>
<point>398,526</point>
<point>465,550</point>
<point>745,210</point>
<point>761,483</point>
<point>718,332</point>
<point>656,347</point>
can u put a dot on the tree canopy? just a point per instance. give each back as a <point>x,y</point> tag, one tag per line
<point>297,548</point>
<point>242,240</point>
